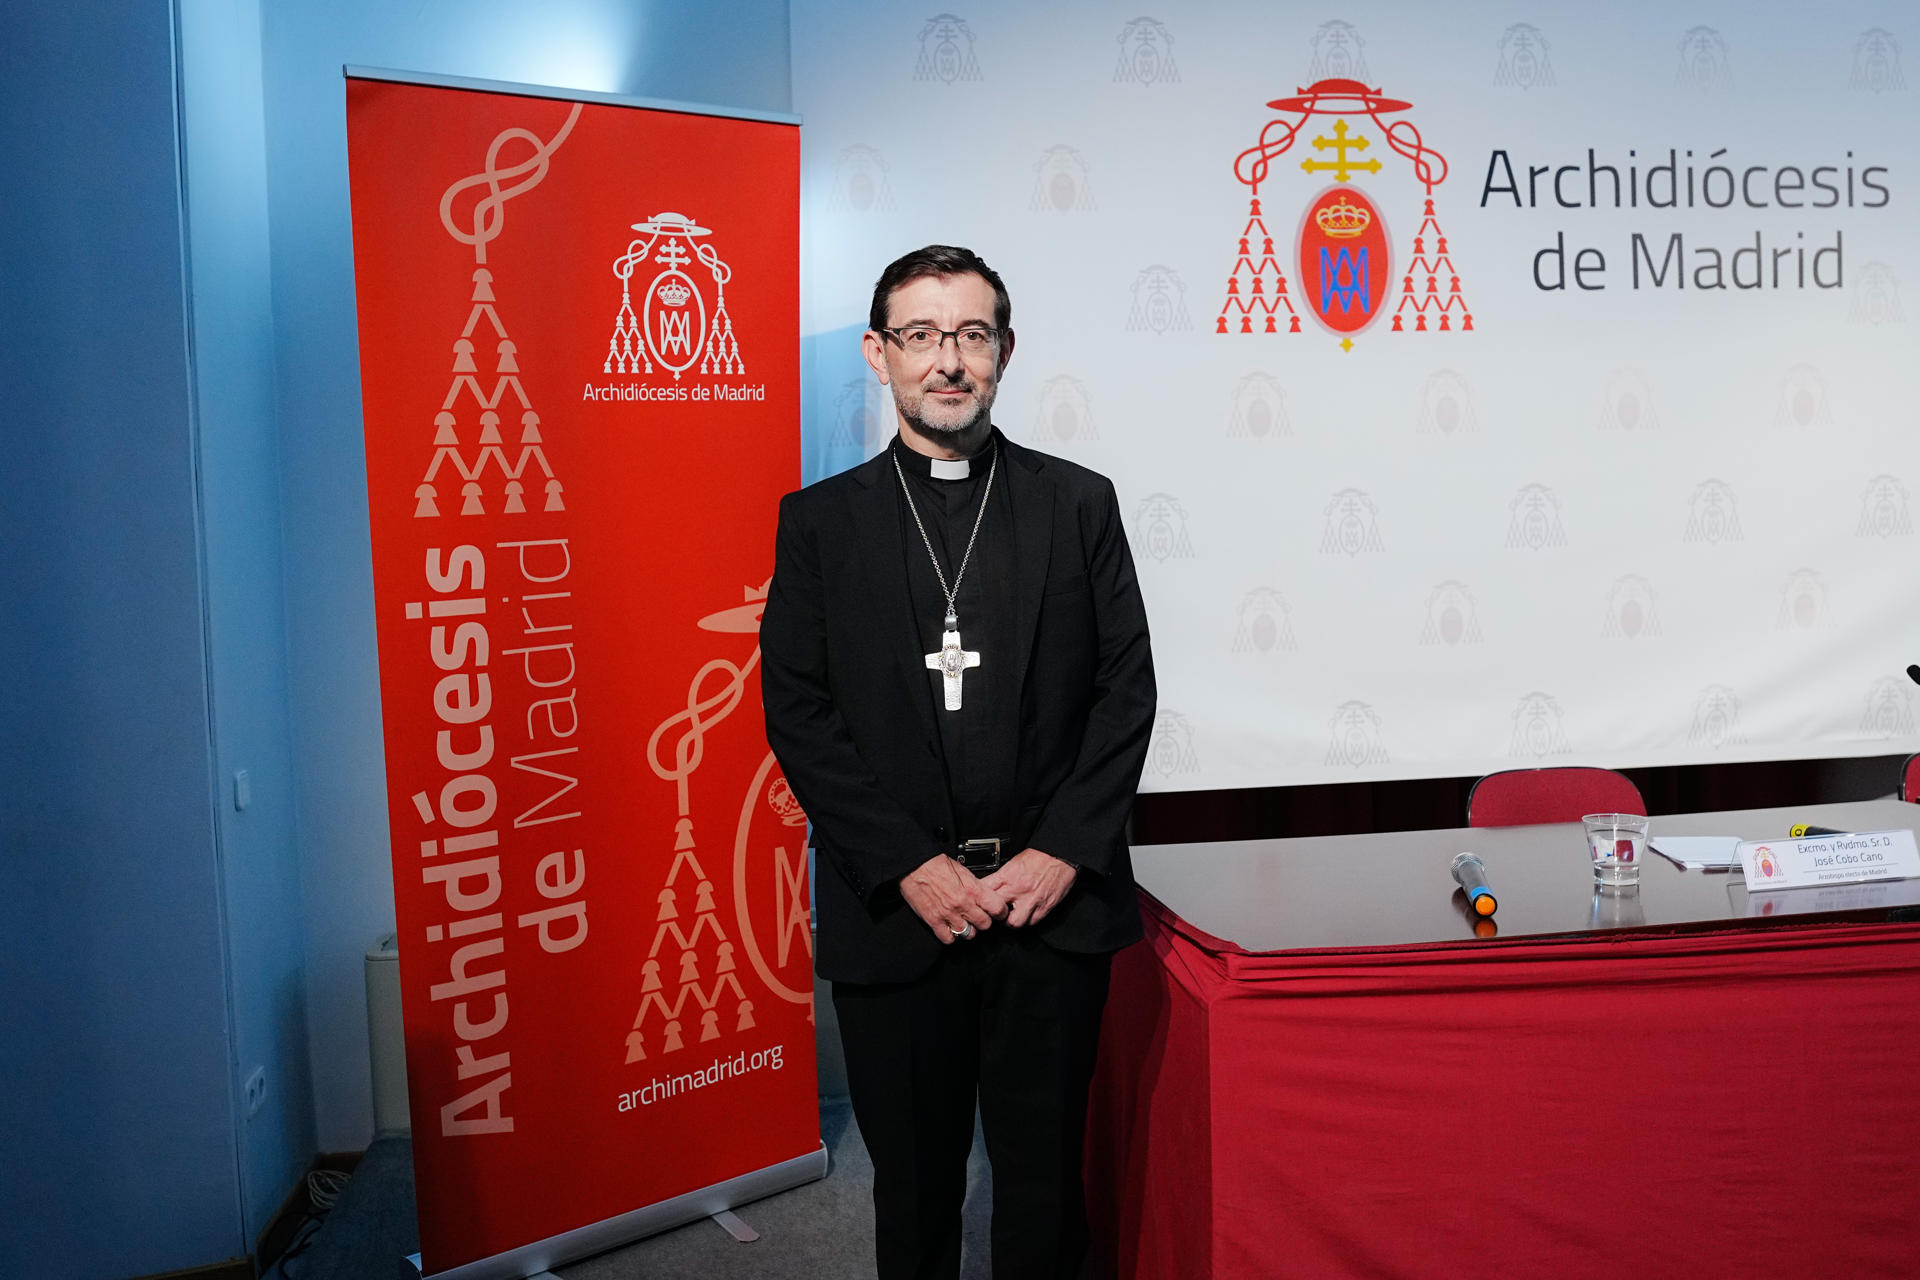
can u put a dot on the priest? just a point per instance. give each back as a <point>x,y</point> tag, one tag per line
<point>959,688</point>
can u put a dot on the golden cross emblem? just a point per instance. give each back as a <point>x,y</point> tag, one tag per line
<point>1340,143</point>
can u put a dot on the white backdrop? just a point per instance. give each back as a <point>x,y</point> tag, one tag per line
<point>1632,524</point>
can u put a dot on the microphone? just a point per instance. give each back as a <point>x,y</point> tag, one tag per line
<point>1913,671</point>
<point>1471,874</point>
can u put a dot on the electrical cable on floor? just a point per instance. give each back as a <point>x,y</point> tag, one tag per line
<point>324,1187</point>
<point>323,1192</point>
<point>303,1236</point>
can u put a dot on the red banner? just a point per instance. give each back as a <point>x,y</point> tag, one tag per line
<point>579,357</point>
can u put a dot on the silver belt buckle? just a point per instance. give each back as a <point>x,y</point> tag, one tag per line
<point>981,854</point>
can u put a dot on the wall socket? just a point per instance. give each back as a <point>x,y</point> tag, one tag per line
<point>256,1091</point>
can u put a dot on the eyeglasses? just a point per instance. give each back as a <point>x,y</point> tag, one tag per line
<point>923,340</point>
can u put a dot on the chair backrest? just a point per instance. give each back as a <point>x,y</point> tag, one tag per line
<point>1910,779</point>
<point>1519,797</point>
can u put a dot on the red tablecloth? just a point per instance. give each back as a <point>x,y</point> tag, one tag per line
<point>1739,1103</point>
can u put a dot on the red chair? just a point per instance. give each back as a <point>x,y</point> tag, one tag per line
<point>1521,797</point>
<point>1910,779</point>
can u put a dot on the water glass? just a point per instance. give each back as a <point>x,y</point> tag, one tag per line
<point>1617,843</point>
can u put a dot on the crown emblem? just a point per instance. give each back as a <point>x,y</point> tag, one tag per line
<point>1342,221</point>
<point>674,294</point>
<point>781,799</point>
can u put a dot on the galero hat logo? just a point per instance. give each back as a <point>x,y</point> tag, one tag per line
<point>673,327</point>
<point>1344,255</point>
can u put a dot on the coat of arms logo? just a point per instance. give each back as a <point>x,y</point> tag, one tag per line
<point>1523,58</point>
<point>1632,609</point>
<point>1537,728</point>
<point>673,327</point>
<point>1451,616</point>
<point>1160,529</point>
<point>1713,514</point>
<point>1803,602</point>
<point>946,50</point>
<point>1883,510</point>
<point>1146,54</point>
<point>1876,62</point>
<point>1356,737</point>
<point>1344,255</point>
<point>1716,718</point>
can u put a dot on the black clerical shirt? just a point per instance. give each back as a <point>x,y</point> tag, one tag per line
<point>980,741</point>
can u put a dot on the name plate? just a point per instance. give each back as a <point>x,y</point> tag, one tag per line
<point>1820,860</point>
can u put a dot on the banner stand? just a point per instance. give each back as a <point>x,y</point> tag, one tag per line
<point>578,324</point>
<point>610,1233</point>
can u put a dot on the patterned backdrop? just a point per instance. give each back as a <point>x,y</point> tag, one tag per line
<point>1480,392</point>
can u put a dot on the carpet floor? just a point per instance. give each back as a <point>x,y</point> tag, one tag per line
<point>820,1231</point>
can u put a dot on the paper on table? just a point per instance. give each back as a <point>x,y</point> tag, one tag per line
<point>1697,853</point>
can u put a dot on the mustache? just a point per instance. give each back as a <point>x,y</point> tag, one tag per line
<point>947,382</point>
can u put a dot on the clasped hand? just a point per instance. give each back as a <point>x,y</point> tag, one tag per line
<point>950,899</point>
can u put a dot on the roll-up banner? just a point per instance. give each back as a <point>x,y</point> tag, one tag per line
<point>579,358</point>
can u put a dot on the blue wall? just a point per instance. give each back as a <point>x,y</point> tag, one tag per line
<point>185,590</point>
<point>119,1121</point>
<point>732,52</point>
<point>231,335</point>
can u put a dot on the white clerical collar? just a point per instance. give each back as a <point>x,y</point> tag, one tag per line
<point>921,464</point>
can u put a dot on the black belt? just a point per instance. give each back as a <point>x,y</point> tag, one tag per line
<point>981,854</point>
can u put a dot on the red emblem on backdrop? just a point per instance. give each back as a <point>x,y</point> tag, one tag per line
<point>1344,260</point>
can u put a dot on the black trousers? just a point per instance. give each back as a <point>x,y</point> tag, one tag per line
<point>1008,1020</point>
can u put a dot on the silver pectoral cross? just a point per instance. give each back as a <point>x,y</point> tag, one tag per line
<point>950,660</point>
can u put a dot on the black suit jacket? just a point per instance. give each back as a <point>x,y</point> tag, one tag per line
<point>850,708</point>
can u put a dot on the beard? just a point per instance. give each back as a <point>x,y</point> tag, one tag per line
<point>950,425</point>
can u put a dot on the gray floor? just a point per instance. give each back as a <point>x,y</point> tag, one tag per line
<point>822,1231</point>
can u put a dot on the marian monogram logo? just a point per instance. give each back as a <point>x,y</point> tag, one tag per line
<point>1716,718</point>
<point>946,50</point>
<point>1523,58</point>
<point>1876,295</point>
<point>1876,62</point>
<point>1170,750</point>
<point>1146,54</point>
<point>1537,730</point>
<point>1159,301</point>
<point>1160,529</point>
<point>1883,510</point>
<point>1352,525</point>
<point>1356,739</point>
<point>1534,519</point>
<point>1889,709</point>
<point>1703,60</point>
<point>1343,255</point>
<point>673,326</point>
<point>1713,514</point>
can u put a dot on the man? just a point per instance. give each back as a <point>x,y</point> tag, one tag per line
<point>959,688</point>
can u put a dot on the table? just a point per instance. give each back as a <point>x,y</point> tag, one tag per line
<point>1313,1067</point>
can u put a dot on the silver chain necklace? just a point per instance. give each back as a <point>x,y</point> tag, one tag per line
<point>950,660</point>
